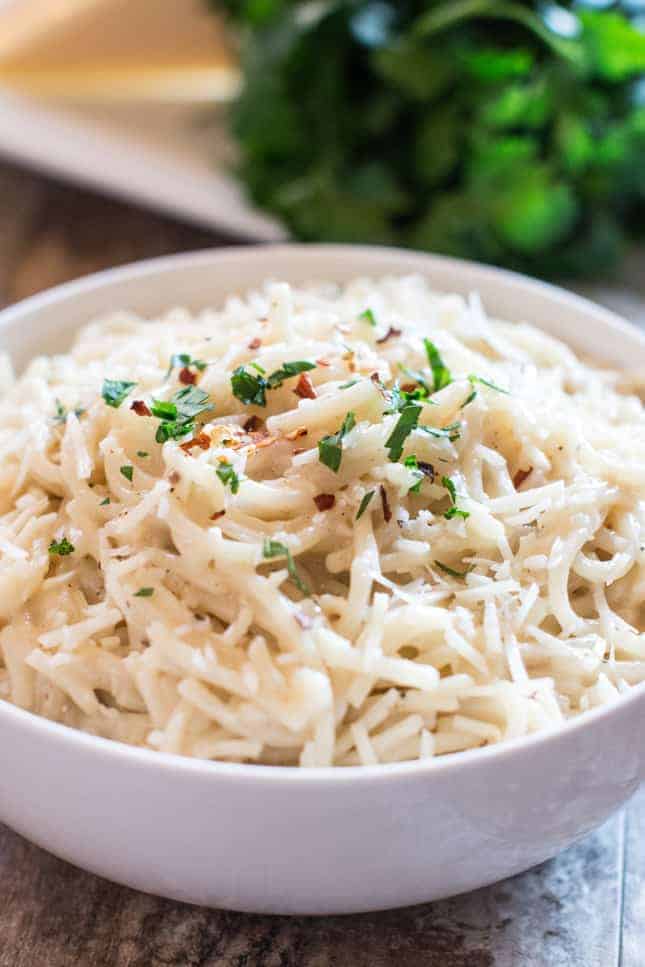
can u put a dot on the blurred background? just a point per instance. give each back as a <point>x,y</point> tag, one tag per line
<point>508,131</point>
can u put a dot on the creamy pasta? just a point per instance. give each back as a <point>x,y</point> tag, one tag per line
<point>320,526</point>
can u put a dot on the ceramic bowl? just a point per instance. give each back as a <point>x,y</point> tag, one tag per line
<point>284,840</point>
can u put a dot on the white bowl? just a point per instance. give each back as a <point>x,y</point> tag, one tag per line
<point>283,840</point>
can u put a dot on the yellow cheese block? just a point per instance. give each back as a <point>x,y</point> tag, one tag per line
<point>123,50</point>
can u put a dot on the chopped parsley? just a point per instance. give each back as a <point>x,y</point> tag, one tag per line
<point>227,475</point>
<point>486,382</point>
<point>144,593</point>
<point>105,502</point>
<point>178,414</point>
<point>440,372</point>
<point>330,448</point>
<point>142,453</point>
<point>62,548</point>
<point>249,389</point>
<point>61,414</point>
<point>408,419</point>
<point>185,359</point>
<point>350,382</point>
<point>451,571</point>
<point>115,391</point>
<point>368,316</point>
<point>398,398</point>
<point>364,503</point>
<point>273,548</point>
<point>412,464</point>
<point>471,396</point>
<point>451,432</point>
<point>277,378</point>
<point>454,510</point>
<point>127,472</point>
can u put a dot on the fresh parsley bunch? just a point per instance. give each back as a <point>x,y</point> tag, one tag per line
<point>502,130</point>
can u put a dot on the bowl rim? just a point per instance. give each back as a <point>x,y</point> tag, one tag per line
<point>208,769</point>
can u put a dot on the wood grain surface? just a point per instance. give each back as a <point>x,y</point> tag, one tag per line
<point>584,909</point>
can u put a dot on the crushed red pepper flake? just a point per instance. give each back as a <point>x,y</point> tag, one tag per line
<point>297,433</point>
<point>253,424</point>
<point>254,344</point>
<point>323,362</point>
<point>201,440</point>
<point>409,387</point>
<point>187,377</point>
<point>140,408</point>
<point>324,501</point>
<point>299,450</point>
<point>305,388</point>
<point>217,514</point>
<point>390,334</point>
<point>174,477</point>
<point>387,513</point>
<point>521,476</point>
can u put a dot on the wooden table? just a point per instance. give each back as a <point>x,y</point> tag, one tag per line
<point>584,909</point>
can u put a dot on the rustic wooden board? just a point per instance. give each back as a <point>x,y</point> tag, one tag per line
<point>584,909</point>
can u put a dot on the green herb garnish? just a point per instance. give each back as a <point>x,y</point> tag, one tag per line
<point>142,453</point>
<point>249,389</point>
<point>368,316</point>
<point>486,382</point>
<point>351,382</point>
<point>127,471</point>
<point>287,370</point>
<point>115,391</point>
<point>144,593</point>
<point>62,548</point>
<point>471,396</point>
<point>185,359</point>
<point>61,414</point>
<point>105,502</point>
<point>178,414</point>
<point>452,432</point>
<point>451,571</point>
<point>440,372</point>
<point>454,510</point>
<point>272,548</point>
<point>364,503</point>
<point>408,419</point>
<point>227,475</point>
<point>330,448</point>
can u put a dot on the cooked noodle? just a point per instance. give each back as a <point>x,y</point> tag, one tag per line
<point>461,561</point>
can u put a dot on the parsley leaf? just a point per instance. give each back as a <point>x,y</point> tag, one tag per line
<point>364,503</point>
<point>105,502</point>
<point>485,382</point>
<point>115,391</point>
<point>368,316</point>
<point>272,549</point>
<point>62,547</point>
<point>452,431</point>
<point>247,388</point>
<point>408,419</point>
<point>178,414</point>
<point>440,372</point>
<point>288,369</point>
<point>227,475</point>
<point>144,593</point>
<point>330,448</point>
<point>127,472</point>
<point>350,382</point>
<point>454,511</point>
<point>185,359</point>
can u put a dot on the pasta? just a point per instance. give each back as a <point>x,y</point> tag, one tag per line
<point>320,526</point>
